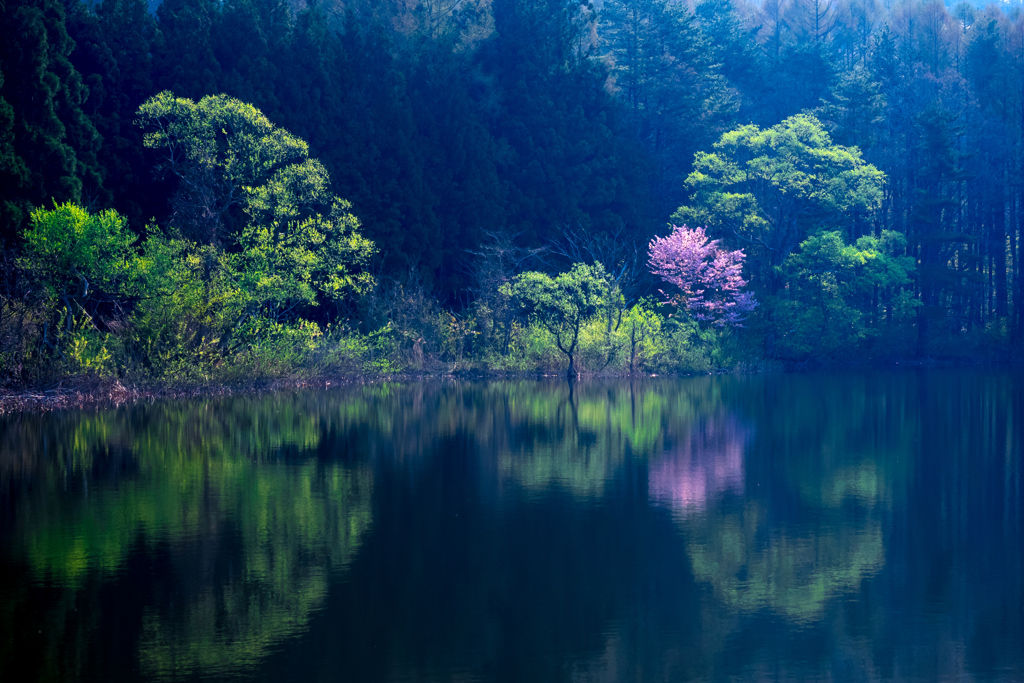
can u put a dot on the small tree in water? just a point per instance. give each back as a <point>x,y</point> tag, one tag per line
<point>709,276</point>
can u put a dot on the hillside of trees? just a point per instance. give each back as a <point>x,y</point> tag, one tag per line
<point>202,190</point>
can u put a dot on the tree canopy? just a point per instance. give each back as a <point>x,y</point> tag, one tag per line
<point>562,304</point>
<point>789,130</point>
<point>772,188</point>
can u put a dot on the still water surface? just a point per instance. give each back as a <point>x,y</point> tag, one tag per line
<point>819,527</point>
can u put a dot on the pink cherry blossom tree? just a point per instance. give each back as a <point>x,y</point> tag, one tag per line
<point>709,277</point>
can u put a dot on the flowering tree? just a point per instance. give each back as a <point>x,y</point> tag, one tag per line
<point>710,277</point>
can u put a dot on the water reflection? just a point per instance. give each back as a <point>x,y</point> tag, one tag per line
<point>292,526</point>
<point>840,527</point>
<point>751,560</point>
<point>702,467</point>
<point>752,564</point>
<point>242,524</point>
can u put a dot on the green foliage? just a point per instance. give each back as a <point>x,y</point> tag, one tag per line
<point>512,118</point>
<point>773,188</point>
<point>201,313</point>
<point>226,153</point>
<point>691,348</point>
<point>530,348</point>
<point>413,330</point>
<point>192,302</point>
<point>271,349</point>
<point>287,263</point>
<point>89,350</point>
<point>300,243</point>
<point>561,304</point>
<point>72,251</point>
<point>830,296</point>
<point>81,262</point>
<point>634,343</point>
<point>642,328</point>
<point>220,136</point>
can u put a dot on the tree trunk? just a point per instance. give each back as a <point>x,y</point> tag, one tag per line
<point>998,251</point>
<point>922,332</point>
<point>1015,240</point>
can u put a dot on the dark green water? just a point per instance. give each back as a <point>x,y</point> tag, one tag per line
<point>824,527</point>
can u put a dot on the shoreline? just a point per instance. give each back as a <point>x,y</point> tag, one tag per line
<point>93,392</point>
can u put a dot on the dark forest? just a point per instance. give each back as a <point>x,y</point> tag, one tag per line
<point>202,191</point>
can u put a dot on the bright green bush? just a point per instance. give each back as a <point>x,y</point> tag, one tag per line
<point>182,326</point>
<point>74,253</point>
<point>92,352</point>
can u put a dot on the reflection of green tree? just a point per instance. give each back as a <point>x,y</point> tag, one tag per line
<point>533,433</point>
<point>752,566</point>
<point>843,440</point>
<point>581,440</point>
<point>295,524</point>
<point>247,498</point>
<point>209,480</point>
<point>832,454</point>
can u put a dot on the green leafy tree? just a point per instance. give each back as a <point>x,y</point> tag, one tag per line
<point>75,253</point>
<point>834,290</point>
<point>299,240</point>
<point>298,244</point>
<point>773,188</point>
<point>84,264</point>
<point>642,326</point>
<point>222,151</point>
<point>561,304</point>
<point>287,264</point>
<point>193,301</point>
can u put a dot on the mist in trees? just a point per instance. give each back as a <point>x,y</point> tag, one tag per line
<point>865,157</point>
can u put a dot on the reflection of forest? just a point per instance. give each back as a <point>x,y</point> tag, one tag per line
<point>246,505</point>
<point>752,561</point>
<point>659,530</point>
<point>706,463</point>
<point>753,566</point>
<point>293,525</point>
<point>755,556</point>
<point>249,523</point>
<point>578,440</point>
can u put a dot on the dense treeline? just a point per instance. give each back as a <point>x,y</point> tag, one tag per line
<point>866,157</point>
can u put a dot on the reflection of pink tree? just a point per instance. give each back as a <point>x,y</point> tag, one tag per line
<point>710,277</point>
<point>707,464</point>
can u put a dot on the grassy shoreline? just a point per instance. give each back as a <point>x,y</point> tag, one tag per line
<point>75,393</point>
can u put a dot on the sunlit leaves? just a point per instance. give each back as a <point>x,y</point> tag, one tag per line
<point>775,186</point>
<point>300,243</point>
<point>226,152</point>
<point>562,304</point>
<point>71,250</point>
<point>833,287</point>
<point>217,132</point>
<point>289,192</point>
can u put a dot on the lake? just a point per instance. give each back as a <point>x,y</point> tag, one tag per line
<point>812,527</point>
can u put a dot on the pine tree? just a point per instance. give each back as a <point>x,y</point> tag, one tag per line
<point>52,151</point>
